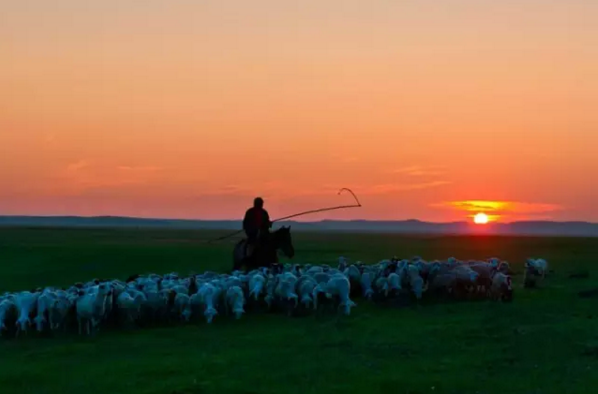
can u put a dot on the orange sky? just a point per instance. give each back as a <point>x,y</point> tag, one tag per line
<point>190,109</point>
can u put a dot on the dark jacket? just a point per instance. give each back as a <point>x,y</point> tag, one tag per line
<point>256,219</point>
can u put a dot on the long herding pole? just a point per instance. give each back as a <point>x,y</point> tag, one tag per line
<point>356,205</point>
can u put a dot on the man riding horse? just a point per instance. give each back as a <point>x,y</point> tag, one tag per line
<point>256,225</point>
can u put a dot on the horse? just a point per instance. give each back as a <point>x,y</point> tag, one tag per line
<point>265,254</point>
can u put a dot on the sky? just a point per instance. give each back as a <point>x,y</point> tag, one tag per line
<point>433,110</point>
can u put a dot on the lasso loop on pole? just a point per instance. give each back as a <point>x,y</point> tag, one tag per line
<point>356,205</point>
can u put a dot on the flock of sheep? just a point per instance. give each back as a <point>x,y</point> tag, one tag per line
<point>153,299</point>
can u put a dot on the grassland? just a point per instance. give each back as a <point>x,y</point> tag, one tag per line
<point>546,341</point>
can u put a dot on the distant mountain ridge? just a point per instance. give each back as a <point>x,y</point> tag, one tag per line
<point>576,229</point>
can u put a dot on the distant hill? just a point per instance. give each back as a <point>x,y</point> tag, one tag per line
<point>576,229</point>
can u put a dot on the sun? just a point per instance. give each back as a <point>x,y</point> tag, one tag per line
<point>480,218</point>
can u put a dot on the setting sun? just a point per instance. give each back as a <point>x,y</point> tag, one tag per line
<point>480,218</point>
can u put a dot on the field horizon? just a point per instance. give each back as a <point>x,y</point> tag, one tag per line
<point>410,226</point>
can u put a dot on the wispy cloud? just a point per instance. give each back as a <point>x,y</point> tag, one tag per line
<point>504,206</point>
<point>394,188</point>
<point>139,168</point>
<point>79,165</point>
<point>416,171</point>
<point>502,209</point>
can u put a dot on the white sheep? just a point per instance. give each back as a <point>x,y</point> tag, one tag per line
<point>416,282</point>
<point>501,287</point>
<point>540,265</point>
<point>339,287</point>
<point>271,285</point>
<point>128,308</point>
<point>44,304</point>
<point>8,310</point>
<point>285,288</point>
<point>394,284</point>
<point>257,285</point>
<point>235,301</point>
<point>26,303</point>
<point>182,306</point>
<point>58,312</point>
<point>91,308</point>
<point>306,286</point>
<point>208,296</point>
<point>366,285</point>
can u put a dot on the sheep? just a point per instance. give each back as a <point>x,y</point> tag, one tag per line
<point>485,273</point>
<point>416,282</point>
<point>235,300</point>
<point>366,285</point>
<point>181,289</point>
<point>183,307</point>
<point>466,280</point>
<point>504,267</point>
<point>271,284</point>
<point>381,286</point>
<point>342,263</point>
<point>91,308</point>
<point>540,267</point>
<point>443,284</point>
<point>58,313</point>
<point>339,287</point>
<point>128,307</point>
<point>394,284</point>
<point>534,269</point>
<point>314,270</point>
<point>501,287</point>
<point>44,303</point>
<point>8,311</point>
<point>285,290</point>
<point>257,285</point>
<point>208,295</point>
<point>155,297</point>
<point>26,303</point>
<point>321,277</point>
<point>306,287</point>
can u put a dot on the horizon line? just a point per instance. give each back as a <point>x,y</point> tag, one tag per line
<point>490,224</point>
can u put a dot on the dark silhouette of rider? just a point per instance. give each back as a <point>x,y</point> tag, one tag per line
<point>257,224</point>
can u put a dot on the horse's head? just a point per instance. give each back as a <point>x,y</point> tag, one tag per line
<point>284,241</point>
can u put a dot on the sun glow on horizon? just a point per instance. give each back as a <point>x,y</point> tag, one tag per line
<point>481,218</point>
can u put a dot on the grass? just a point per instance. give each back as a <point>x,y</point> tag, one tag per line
<point>546,341</point>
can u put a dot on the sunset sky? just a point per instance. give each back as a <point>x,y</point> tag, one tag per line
<point>434,110</point>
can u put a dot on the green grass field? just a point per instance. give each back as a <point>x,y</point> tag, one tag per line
<point>546,341</point>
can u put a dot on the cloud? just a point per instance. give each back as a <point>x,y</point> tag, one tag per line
<point>503,206</point>
<point>499,209</point>
<point>416,171</point>
<point>79,165</point>
<point>393,188</point>
<point>139,168</point>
